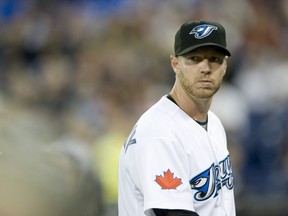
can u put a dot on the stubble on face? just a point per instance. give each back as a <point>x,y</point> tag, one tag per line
<point>197,87</point>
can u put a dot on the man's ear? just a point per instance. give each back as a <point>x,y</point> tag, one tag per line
<point>225,66</point>
<point>174,60</point>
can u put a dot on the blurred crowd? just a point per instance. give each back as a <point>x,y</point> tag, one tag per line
<point>75,75</point>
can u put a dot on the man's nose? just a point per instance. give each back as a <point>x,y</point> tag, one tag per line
<point>205,66</point>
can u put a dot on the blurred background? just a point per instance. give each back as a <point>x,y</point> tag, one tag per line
<point>75,75</point>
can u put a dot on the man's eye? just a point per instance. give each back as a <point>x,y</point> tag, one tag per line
<point>215,59</point>
<point>196,58</point>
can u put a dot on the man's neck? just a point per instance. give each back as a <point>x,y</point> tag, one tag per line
<point>195,108</point>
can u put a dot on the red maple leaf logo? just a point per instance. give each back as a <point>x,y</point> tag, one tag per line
<point>168,181</point>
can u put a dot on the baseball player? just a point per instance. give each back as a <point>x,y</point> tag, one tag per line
<point>175,161</point>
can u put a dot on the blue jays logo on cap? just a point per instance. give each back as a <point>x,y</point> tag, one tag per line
<point>202,31</point>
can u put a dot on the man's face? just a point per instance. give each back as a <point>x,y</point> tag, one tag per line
<point>200,72</point>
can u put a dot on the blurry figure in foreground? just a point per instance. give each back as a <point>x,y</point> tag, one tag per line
<point>47,182</point>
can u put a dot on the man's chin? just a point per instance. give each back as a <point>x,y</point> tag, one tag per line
<point>205,93</point>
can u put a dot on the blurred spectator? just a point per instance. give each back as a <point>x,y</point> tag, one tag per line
<point>37,181</point>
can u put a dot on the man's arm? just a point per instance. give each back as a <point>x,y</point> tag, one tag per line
<point>170,212</point>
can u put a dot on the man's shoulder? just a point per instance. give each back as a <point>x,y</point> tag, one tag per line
<point>163,108</point>
<point>159,117</point>
<point>213,117</point>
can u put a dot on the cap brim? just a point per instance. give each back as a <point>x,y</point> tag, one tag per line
<point>225,51</point>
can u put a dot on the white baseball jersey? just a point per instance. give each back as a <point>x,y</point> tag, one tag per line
<point>169,161</point>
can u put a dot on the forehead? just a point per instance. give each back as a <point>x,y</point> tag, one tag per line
<point>214,50</point>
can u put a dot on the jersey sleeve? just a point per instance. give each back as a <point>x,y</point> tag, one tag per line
<point>163,174</point>
<point>168,212</point>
